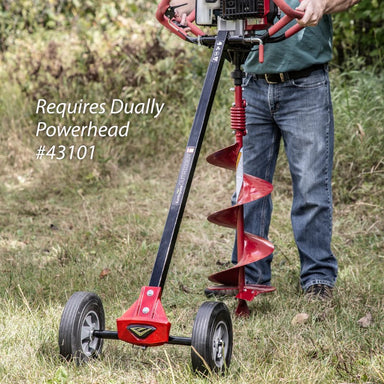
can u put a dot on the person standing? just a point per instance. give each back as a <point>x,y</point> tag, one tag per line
<point>288,98</point>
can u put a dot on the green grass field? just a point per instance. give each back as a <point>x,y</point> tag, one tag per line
<point>95,224</point>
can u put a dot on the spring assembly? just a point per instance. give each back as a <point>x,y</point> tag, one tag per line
<point>238,117</point>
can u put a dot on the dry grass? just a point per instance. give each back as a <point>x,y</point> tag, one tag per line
<point>118,228</point>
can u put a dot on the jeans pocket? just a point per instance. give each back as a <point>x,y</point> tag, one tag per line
<point>315,79</point>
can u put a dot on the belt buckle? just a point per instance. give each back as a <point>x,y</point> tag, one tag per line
<point>281,75</point>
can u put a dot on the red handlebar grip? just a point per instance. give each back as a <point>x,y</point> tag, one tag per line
<point>261,53</point>
<point>280,24</point>
<point>288,10</point>
<point>291,31</point>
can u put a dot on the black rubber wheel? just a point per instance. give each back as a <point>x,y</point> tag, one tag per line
<point>212,338</point>
<point>82,314</point>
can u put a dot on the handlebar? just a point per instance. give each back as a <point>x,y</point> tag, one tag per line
<point>173,24</point>
<point>290,14</point>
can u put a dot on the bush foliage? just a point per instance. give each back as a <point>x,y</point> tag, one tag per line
<point>358,32</point>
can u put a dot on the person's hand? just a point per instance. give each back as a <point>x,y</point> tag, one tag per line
<point>182,9</point>
<point>313,12</point>
<point>183,6</point>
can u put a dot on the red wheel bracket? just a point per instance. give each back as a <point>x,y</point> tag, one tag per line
<point>145,322</point>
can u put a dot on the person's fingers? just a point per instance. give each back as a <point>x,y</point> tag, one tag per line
<point>313,12</point>
<point>183,6</point>
<point>183,20</point>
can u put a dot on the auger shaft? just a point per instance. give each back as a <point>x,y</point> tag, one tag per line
<point>238,124</point>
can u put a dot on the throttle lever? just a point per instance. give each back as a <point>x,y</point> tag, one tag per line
<point>170,12</point>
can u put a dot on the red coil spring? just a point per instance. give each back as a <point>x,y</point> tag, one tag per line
<point>238,117</point>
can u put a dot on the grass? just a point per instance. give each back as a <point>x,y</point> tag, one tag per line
<point>60,244</point>
<point>95,225</point>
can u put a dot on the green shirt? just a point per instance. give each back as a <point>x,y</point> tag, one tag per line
<point>311,45</point>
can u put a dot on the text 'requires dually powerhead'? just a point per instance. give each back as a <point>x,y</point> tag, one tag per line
<point>149,107</point>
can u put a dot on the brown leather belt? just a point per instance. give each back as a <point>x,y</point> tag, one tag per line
<point>276,78</point>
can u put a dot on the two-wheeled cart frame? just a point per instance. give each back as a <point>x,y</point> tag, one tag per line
<point>82,327</point>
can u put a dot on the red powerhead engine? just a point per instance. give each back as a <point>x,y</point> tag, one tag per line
<point>255,14</point>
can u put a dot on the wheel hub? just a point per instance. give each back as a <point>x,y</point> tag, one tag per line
<point>220,340</point>
<point>88,341</point>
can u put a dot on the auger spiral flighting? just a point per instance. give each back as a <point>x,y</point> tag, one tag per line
<point>250,248</point>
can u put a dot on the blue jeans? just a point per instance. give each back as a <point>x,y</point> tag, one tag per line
<point>300,112</point>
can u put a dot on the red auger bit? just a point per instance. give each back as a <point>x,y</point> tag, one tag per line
<point>250,248</point>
